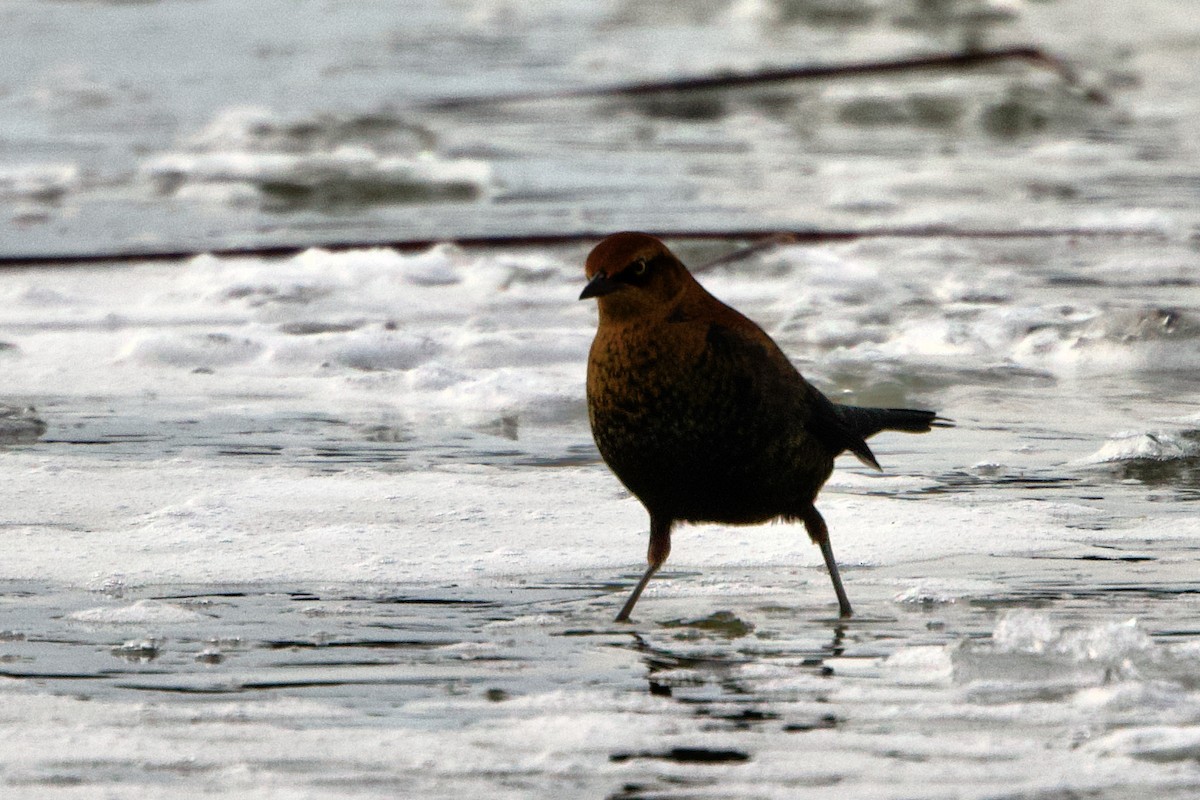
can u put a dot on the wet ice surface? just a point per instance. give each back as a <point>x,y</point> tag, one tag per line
<point>333,525</point>
<point>1038,685</point>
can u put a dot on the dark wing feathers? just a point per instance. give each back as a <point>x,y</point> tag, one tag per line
<point>779,382</point>
<point>839,428</point>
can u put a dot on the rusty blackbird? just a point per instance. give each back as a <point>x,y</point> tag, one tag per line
<point>701,415</point>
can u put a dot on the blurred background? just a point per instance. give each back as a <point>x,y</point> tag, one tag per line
<point>214,123</point>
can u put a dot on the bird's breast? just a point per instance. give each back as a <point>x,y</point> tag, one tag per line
<point>643,380</point>
<point>685,430</point>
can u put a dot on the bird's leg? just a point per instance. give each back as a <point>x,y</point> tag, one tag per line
<point>814,523</point>
<point>660,548</point>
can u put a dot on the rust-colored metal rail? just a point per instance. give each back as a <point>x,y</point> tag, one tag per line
<point>732,80</point>
<point>773,236</point>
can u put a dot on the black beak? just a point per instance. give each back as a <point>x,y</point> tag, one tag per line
<point>600,285</point>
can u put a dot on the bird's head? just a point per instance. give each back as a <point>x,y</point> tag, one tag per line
<point>633,274</point>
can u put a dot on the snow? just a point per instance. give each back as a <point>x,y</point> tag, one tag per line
<point>143,612</point>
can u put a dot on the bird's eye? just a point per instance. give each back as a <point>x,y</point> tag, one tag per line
<point>639,267</point>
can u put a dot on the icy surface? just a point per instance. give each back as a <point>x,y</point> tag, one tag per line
<point>332,525</point>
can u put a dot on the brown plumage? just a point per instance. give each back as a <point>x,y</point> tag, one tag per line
<point>701,415</point>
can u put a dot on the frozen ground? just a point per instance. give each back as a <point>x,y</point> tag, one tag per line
<point>333,526</point>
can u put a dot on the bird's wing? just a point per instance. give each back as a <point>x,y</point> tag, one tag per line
<point>778,389</point>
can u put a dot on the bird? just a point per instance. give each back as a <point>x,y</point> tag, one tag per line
<point>701,415</point>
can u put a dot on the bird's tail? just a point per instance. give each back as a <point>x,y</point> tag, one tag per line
<point>866,422</point>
